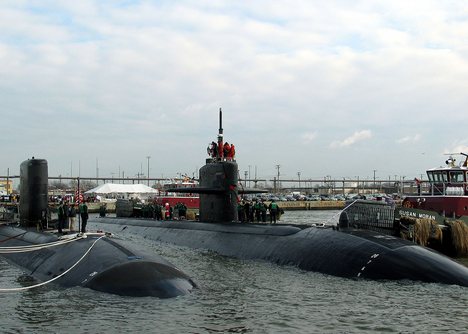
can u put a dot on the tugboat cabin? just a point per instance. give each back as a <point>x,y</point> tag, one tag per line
<point>448,190</point>
<point>450,180</point>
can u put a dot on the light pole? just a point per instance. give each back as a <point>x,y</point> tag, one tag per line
<point>299,177</point>
<point>148,157</point>
<point>374,187</point>
<point>279,185</point>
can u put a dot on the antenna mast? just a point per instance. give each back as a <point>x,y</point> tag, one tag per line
<point>220,135</point>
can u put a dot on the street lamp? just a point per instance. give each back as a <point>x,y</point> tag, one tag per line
<point>148,157</point>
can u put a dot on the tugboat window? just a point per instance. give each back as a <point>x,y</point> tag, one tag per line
<point>456,176</point>
<point>444,177</point>
<point>430,176</point>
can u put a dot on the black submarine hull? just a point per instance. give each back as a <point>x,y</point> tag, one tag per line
<point>350,253</point>
<point>97,262</point>
<point>111,265</point>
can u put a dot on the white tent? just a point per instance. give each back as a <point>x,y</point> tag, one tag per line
<point>128,190</point>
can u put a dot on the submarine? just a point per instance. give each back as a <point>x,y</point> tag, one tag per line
<point>98,261</point>
<point>339,250</point>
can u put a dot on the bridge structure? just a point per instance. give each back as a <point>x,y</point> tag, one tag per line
<point>325,185</point>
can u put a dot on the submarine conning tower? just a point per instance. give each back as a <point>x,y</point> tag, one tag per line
<point>220,204</point>
<point>221,176</point>
<point>217,184</point>
<point>34,180</point>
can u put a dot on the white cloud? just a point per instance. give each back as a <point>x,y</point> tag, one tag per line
<point>458,146</point>
<point>353,139</point>
<point>145,74</point>
<point>308,137</point>
<point>409,139</point>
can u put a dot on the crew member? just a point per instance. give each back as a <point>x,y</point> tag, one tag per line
<point>65,211</point>
<point>241,211</point>
<point>182,211</point>
<point>102,210</point>
<point>167,213</point>
<point>226,150</point>
<point>263,209</point>
<point>418,185</point>
<point>232,153</point>
<point>213,150</point>
<point>273,207</point>
<point>257,210</point>
<point>71,218</point>
<point>84,216</point>
<point>158,211</point>
<point>61,217</point>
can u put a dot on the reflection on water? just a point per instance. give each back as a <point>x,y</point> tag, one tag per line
<point>238,296</point>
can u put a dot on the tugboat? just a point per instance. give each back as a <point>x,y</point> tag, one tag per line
<point>443,208</point>
<point>335,250</point>
<point>190,200</point>
<point>437,218</point>
<point>97,261</point>
<point>448,190</point>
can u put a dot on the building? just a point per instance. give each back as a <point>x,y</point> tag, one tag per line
<point>6,187</point>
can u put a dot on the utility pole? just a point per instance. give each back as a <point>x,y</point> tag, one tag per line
<point>255,185</point>
<point>8,181</point>
<point>278,177</point>
<point>299,177</point>
<point>374,182</point>
<point>148,157</point>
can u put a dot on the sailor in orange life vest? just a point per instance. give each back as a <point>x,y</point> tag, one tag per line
<point>229,151</point>
<point>232,153</point>
<point>226,150</point>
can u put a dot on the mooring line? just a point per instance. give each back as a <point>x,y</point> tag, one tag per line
<point>57,277</point>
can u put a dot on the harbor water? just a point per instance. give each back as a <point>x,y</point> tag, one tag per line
<point>238,296</point>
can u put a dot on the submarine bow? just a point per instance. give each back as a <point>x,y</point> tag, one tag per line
<point>96,262</point>
<point>90,260</point>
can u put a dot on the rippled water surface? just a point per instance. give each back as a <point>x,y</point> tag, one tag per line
<point>239,297</point>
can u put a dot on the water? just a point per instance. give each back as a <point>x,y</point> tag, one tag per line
<point>238,296</point>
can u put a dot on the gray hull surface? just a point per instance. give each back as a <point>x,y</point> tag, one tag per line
<point>351,254</point>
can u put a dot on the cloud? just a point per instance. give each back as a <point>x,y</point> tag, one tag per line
<point>308,137</point>
<point>458,146</point>
<point>353,139</point>
<point>409,139</point>
<point>139,78</point>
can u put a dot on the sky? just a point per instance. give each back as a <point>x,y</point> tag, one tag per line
<point>339,89</point>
